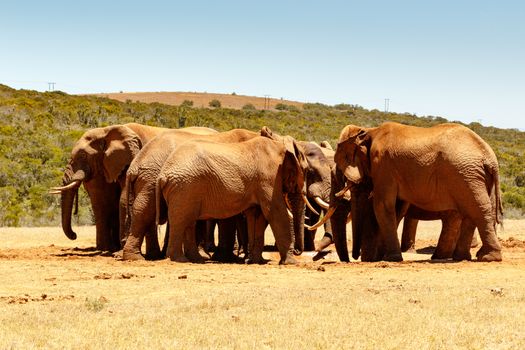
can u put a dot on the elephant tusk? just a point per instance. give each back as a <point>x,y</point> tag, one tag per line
<point>321,222</point>
<point>349,218</point>
<point>307,202</point>
<point>290,215</point>
<point>287,202</point>
<point>55,192</point>
<point>322,203</point>
<point>344,190</point>
<point>72,185</point>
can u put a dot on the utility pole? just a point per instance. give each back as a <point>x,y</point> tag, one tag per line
<point>266,101</point>
<point>51,86</point>
<point>387,104</point>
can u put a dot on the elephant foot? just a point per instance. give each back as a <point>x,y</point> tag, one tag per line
<point>119,255</point>
<point>460,256</point>
<point>396,257</point>
<point>488,256</point>
<point>180,259</point>
<point>289,260</point>
<point>225,257</point>
<point>439,255</point>
<point>131,256</point>
<point>323,243</point>
<point>257,259</point>
<point>408,247</point>
<point>157,255</point>
<point>195,258</point>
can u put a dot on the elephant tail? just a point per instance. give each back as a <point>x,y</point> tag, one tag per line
<point>495,193</point>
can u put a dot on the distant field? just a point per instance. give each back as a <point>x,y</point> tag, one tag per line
<point>200,99</point>
<point>56,294</point>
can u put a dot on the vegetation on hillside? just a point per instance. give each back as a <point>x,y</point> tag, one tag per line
<point>38,130</point>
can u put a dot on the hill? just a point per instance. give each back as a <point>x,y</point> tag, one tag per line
<point>202,99</point>
<point>38,130</point>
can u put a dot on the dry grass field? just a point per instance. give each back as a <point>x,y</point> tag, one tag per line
<point>200,99</point>
<point>56,294</point>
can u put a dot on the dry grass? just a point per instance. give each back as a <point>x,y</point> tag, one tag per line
<point>57,293</point>
<point>200,99</point>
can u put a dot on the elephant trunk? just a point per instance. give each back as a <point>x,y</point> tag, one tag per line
<point>298,207</point>
<point>338,222</point>
<point>68,198</point>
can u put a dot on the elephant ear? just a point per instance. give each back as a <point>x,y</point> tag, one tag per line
<point>122,145</point>
<point>326,144</point>
<point>352,154</point>
<point>266,132</point>
<point>294,166</point>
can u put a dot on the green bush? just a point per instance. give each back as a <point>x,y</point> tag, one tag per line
<point>187,103</point>
<point>215,103</point>
<point>248,107</point>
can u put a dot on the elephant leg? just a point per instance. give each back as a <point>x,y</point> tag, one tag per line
<point>224,251</point>
<point>408,237</point>
<point>176,237</point>
<point>385,212</point>
<point>242,234</point>
<point>153,251</point>
<point>191,249</point>
<point>449,236</point>
<point>328,237</point>
<point>256,226</point>
<point>141,222</point>
<point>481,213</point>
<point>462,250</point>
<point>209,236</point>
<point>490,249</point>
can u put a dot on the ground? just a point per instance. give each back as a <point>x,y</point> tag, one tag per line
<point>56,293</point>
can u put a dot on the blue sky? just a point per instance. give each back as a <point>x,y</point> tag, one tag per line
<point>462,60</point>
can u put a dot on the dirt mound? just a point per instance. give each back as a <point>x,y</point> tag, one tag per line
<point>512,242</point>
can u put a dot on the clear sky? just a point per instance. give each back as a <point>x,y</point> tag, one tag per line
<point>462,60</point>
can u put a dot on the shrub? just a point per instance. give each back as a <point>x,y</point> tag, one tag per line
<point>187,103</point>
<point>215,103</point>
<point>248,107</point>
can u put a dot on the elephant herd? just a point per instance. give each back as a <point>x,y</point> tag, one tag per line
<point>138,177</point>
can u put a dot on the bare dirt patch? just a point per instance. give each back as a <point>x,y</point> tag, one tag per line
<point>200,99</point>
<point>53,288</point>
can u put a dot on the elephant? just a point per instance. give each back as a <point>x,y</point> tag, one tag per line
<point>318,179</point>
<point>205,179</point>
<point>99,160</point>
<point>446,167</point>
<point>138,197</point>
<point>320,160</point>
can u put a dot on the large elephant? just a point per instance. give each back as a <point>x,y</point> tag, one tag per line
<point>320,160</point>
<point>443,168</point>
<point>138,199</point>
<point>204,179</point>
<point>99,160</point>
